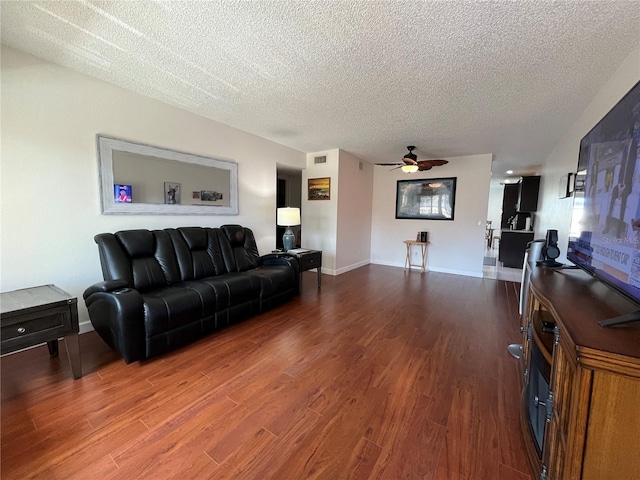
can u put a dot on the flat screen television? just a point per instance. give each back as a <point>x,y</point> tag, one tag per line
<point>604,238</point>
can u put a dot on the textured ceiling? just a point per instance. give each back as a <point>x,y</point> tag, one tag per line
<point>453,78</point>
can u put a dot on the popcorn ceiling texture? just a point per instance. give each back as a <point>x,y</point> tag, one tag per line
<point>453,78</point>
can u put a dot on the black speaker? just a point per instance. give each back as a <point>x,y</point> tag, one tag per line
<point>550,251</point>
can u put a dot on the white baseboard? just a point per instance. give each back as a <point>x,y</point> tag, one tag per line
<point>342,270</point>
<point>85,327</point>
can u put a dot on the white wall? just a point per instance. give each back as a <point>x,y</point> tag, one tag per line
<point>353,244</point>
<point>494,211</point>
<point>49,183</point>
<point>555,213</point>
<point>456,246</point>
<point>320,217</point>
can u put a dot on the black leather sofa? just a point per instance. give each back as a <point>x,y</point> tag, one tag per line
<point>165,288</point>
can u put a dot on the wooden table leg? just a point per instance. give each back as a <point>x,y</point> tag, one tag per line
<point>424,258</point>
<point>407,260</point>
<point>52,345</point>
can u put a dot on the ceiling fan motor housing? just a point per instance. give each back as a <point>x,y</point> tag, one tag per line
<point>412,157</point>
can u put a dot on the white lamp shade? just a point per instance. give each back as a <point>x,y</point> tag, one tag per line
<point>288,216</point>
<point>409,168</point>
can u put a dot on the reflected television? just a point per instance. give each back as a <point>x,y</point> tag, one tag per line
<point>122,193</point>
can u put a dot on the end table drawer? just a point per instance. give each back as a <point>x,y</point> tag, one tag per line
<point>309,261</point>
<point>23,326</point>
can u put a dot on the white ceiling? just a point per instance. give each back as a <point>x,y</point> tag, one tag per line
<point>369,77</point>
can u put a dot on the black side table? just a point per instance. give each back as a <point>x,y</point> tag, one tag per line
<point>308,259</point>
<point>40,314</point>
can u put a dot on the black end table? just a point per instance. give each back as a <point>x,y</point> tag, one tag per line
<point>308,259</point>
<point>41,314</point>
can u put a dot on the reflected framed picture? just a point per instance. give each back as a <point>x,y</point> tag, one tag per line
<point>210,196</point>
<point>319,188</point>
<point>171,193</point>
<point>122,193</point>
<point>426,199</point>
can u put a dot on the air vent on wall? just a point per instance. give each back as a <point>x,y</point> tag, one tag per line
<point>322,159</point>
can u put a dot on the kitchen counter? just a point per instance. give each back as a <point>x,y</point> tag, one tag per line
<point>513,244</point>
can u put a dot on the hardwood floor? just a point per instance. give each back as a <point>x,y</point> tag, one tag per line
<point>382,374</point>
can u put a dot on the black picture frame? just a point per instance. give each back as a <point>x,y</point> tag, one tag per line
<point>426,199</point>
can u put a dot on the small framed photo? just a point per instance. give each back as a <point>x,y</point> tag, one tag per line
<point>210,196</point>
<point>565,188</point>
<point>319,188</point>
<point>171,193</point>
<point>122,193</point>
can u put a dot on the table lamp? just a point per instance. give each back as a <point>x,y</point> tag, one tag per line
<point>288,217</point>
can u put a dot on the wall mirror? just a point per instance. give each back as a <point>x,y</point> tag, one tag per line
<point>138,179</point>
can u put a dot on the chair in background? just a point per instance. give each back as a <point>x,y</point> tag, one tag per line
<point>488,234</point>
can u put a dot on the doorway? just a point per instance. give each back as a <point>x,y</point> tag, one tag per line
<point>288,194</point>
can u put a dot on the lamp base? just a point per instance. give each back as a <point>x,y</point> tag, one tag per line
<point>288,239</point>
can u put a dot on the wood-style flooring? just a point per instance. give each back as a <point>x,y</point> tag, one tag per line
<point>381,374</point>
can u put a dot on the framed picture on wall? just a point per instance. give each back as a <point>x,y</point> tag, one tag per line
<point>426,199</point>
<point>319,188</point>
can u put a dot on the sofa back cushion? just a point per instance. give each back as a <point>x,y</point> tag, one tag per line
<point>198,252</point>
<point>143,258</point>
<point>239,248</point>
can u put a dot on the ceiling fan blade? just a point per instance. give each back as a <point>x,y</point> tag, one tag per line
<point>389,164</point>
<point>395,168</point>
<point>433,162</point>
<point>422,167</point>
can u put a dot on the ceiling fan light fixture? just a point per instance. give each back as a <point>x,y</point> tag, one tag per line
<point>409,168</point>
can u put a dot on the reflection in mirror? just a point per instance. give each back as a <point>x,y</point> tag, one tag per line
<point>141,179</point>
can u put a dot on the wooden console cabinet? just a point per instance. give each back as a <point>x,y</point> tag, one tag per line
<point>592,430</point>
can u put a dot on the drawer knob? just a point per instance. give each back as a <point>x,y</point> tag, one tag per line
<point>21,329</point>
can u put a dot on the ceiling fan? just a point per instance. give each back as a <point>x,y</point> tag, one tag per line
<point>410,162</point>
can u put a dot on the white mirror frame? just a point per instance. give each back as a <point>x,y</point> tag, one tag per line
<point>106,146</point>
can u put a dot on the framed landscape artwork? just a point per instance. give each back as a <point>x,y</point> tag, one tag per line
<point>426,199</point>
<point>319,188</point>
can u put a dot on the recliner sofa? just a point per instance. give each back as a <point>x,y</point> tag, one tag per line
<point>165,288</point>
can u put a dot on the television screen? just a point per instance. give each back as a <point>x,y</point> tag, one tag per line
<point>122,193</point>
<point>605,232</point>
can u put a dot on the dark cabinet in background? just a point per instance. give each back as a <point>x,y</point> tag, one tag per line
<point>513,244</point>
<point>528,194</point>
<point>509,203</point>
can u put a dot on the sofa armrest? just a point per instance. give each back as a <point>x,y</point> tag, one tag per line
<point>280,259</point>
<point>106,286</point>
<point>118,317</point>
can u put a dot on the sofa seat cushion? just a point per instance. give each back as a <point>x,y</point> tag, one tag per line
<point>169,308</point>
<point>274,279</point>
<point>233,289</point>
